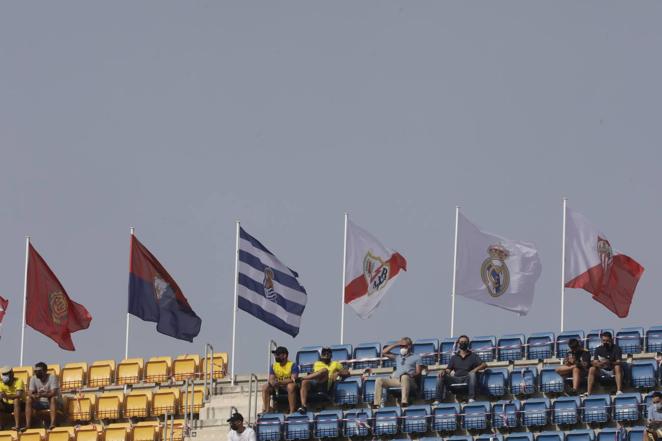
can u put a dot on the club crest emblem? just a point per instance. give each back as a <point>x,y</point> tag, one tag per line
<point>58,306</point>
<point>494,271</point>
<point>375,271</point>
<point>160,287</point>
<point>605,252</point>
<point>268,284</point>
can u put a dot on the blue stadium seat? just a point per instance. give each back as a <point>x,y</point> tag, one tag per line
<point>358,422</point>
<point>562,341</point>
<point>566,411</point>
<point>484,346</point>
<point>476,415</point>
<point>269,427</point>
<point>369,388</point>
<point>341,353</point>
<point>551,436</point>
<point>597,409</point>
<point>306,357</point>
<point>506,414</point>
<point>328,424</point>
<point>429,389</point>
<point>627,408</point>
<point>347,391</point>
<point>540,345</point>
<point>416,419</point>
<point>428,346</point>
<point>550,381</point>
<point>367,350</point>
<point>386,421</point>
<point>489,437</point>
<point>523,380</point>
<point>612,435</point>
<point>394,351</point>
<point>510,347</point>
<point>445,417</point>
<point>459,438</point>
<point>637,434</point>
<point>593,339</point>
<point>298,427</point>
<point>580,435</point>
<point>447,349</point>
<point>535,412</point>
<point>654,339</point>
<point>643,374</point>
<point>495,381</point>
<point>520,436</point>
<point>430,438</point>
<point>630,340</point>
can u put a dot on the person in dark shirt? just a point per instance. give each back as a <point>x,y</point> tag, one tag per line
<point>575,364</point>
<point>607,361</point>
<point>462,368</point>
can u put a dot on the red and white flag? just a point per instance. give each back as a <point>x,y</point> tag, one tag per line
<point>593,264</point>
<point>369,271</point>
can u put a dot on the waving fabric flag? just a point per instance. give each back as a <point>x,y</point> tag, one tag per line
<point>369,271</point>
<point>3,309</point>
<point>49,309</point>
<point>155,297</point>
<point>267,289</point>
<point>494,270</point>
<point>593,265</point>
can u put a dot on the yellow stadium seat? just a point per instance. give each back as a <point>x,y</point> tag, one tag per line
<point>91,432</point>
<point>33,435</point>
<point>137,404</point>
<point>157,369</point>
<point>8,435</point>
<point>177,430</point>
<point>73,376</point>
<point>130,371</point>
<point>146,431</point>
<point>220,364</point>
<point>185,366</point>
<point>64,433</point>
<point>194,399</point>
<point>110,405</point>
<point>101,373</point>
<point>165,401</point>
<point>53,369</point>
<point>118,432</point>
<point>80,407</point>
<point>24,373</point>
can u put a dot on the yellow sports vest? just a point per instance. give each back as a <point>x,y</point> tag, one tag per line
<point>283,373</point>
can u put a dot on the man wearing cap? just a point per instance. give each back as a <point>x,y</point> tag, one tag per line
<point>43,394</point>
<point>325,372</point>
<point>11,394</point>
<point>239,432</point>
<point>282,377</point>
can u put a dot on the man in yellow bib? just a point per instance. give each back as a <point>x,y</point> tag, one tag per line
<point>283,375</point>
<point>325,372</point>
<point>11,394</point>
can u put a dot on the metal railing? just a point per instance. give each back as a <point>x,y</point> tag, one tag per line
<point>168,434</point>
<point>208,373</point>
<point>253,402</point>
<point>272,345</point>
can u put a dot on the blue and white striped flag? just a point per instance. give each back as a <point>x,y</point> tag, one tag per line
<point>266,288</point>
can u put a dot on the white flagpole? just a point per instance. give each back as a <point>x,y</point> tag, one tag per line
<point>342,292</point>
<point>565,200</point>
<point>234,310</point>
<point>457,215</point>
<point>25,296</point>
<point>128,316</point>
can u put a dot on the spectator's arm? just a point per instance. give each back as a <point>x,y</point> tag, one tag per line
<point>419,370</point>
<point>386,350</point>
<point>343,373</point>
<point>481,367</point>
<point>315,375</point>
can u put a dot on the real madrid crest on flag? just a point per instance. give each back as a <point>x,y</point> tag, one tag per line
<point>494,270</point>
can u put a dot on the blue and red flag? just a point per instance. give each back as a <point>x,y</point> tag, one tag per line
<point>155,297</point>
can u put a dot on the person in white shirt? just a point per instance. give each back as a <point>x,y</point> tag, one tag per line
<point>239,432</point>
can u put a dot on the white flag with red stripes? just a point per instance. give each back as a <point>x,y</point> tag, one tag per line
<point>370,270</point>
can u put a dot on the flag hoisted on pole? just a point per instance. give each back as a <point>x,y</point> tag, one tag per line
<point>457,215</point>
<point>132,231</point>
<point>342,293</point>
<point>3,309</point>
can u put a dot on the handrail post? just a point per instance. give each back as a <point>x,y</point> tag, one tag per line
<point>272,345</point>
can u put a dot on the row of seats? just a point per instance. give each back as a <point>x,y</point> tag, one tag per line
<point>414,420</point>
<point>511,347</point>
<point>131,371</point>
<point>498,382</point>
<point>143,431</point>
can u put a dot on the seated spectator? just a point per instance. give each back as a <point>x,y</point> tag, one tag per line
<point>463,367</point>
<point>11,395</point>
<point>282,377</point>
<point>575,364</point>
<point>607,361</point>
<point>239,432</point>
<point>43,394</point>
<point>654,423</point>
<point>408,368</point>
<point>325,372</point>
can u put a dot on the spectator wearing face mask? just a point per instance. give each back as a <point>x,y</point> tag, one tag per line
<point>607,361</point>
<point>654,423</point>
<point>408,368</point>
<point>463,367</point>
<point>325,372</point>
<point>575,364</point>
<point>43,394</point>
<point>11,395</point>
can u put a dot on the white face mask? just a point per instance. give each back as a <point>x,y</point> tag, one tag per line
<point>5,379</point>
<point>404,351</point>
